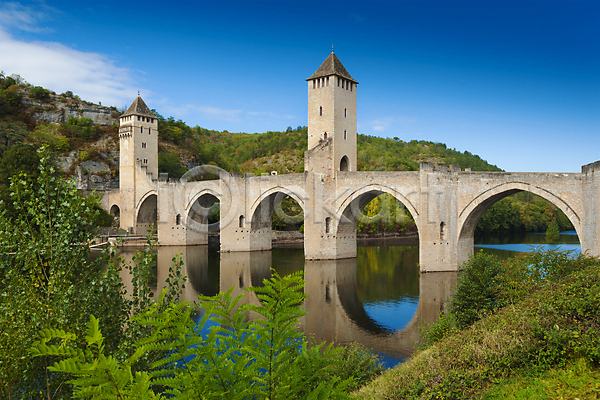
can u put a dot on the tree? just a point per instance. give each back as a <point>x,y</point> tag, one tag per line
<point>553,232</point>
<point>39,93</point>
<point>46,280</point>
<point>170,163</point>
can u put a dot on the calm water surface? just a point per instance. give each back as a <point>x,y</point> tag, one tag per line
<point>379,299</point>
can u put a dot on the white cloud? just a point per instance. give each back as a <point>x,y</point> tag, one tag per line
<point>382,124</point>
<point>22,17</point>
<point>92,76</point>
<point>208,112</point>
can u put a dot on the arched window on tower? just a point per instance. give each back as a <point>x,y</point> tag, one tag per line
<point>241,221</point>
<point>327,80</point>
<point>328,225</point>
<point>314,83</point>
<point>178,220</point>
<point>344,164</point>
<point>325,136</point>
<point>442,230</point>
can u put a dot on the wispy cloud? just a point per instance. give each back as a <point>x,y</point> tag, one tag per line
<point>382,124</point>
<point>13,14</point>
<point>92,76</point>
<point>208,112</point>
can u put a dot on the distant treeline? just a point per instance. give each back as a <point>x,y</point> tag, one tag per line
<point>281,151</point>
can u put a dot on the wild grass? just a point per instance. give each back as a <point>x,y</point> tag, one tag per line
<point>550,333</point>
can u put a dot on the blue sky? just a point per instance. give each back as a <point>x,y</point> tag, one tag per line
<point>517,83</point>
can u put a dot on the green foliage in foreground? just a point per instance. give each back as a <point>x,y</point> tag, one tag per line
<point>549,322</point>
<point>263,358</point>
<point>47,281</point>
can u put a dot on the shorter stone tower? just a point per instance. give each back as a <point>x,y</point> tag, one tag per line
<point>332,117</point>
<point>138,167</point>
<point>138,134</point>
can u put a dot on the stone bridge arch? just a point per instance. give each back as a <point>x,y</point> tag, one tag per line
<point>146,213</point>
<point>196,216</point>
<point>341,226</point>
<point>356,201</point>
<point>261,212</point>
<point>469,216</point>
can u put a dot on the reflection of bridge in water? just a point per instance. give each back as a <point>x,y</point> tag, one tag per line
<point>334,311</point>
<point>445,202</point>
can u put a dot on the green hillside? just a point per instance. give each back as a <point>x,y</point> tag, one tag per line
<point>23,106</point>
<point>25,111</point>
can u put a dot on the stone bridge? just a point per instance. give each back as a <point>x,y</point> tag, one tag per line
<point>444,201</point>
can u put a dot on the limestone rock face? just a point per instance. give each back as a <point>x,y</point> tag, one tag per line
<point>60,109</point>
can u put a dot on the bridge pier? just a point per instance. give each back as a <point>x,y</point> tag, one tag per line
<point>590,235</point>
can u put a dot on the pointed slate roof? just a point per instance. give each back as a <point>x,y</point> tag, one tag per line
<point>138,107</point>
<point>332,66</point>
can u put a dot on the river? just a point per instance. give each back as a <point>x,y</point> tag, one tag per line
<point>379,299</point>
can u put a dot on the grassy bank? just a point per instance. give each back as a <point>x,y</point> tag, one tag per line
<point>540,338</point>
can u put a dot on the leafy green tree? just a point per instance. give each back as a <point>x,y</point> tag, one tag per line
<point>477,292</point>
<point>170,163</point>
<point>46,280</point>
<point>553,232</point>
<point>39,93</point>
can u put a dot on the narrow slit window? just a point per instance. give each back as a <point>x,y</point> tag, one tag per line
<point>321,111</point>
<point>328,225</point>
<point>327,80</point>
<point>314,84</point>
<point>345,113</point>
<point>344,134</point>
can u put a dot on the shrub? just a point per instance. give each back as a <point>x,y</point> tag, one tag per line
<point>478,291</point>
<point>264,358</point>
<point>39,93</point>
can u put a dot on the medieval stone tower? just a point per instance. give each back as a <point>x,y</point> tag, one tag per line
<point>138,164</point>
<point>138,135</point>
<point>332,116</point>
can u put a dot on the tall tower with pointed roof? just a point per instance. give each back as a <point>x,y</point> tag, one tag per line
<point>332,114</point>
<point>138,134</point>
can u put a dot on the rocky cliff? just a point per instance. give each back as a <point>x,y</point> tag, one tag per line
<point>58,108</point>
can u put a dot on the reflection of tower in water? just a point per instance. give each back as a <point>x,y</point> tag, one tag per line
<point>335,311</point>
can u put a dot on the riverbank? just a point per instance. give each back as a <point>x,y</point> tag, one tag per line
<point>402,239</point>
<point>544,345</point>
<point>279,239</point>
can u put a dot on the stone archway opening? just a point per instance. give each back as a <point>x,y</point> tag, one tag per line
<point>203,224</point>
<point>513,211</point>
<point>376,213</point>
<point>385,215</point>
<point>279,216</point>
<point>115,211</point>
<point>147,215</point>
